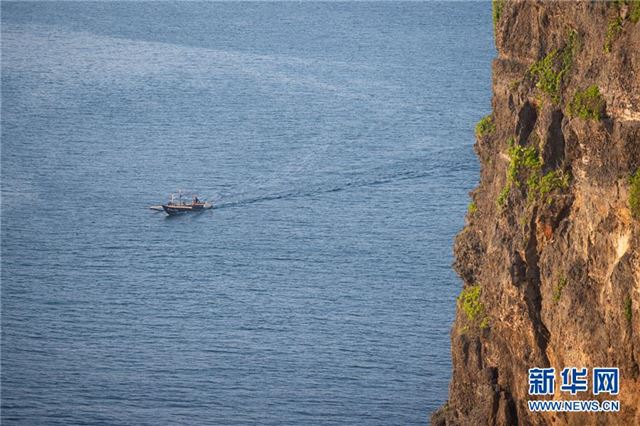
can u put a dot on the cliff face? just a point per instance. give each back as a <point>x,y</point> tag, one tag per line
<point>550,255</point>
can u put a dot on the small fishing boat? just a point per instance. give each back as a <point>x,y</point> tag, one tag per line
<point>181,202</point>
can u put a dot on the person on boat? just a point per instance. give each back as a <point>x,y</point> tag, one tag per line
<point>195,200</point>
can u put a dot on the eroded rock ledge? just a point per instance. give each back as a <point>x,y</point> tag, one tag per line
<point>550,256</point>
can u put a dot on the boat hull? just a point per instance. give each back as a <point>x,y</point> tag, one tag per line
<point>175,209</point>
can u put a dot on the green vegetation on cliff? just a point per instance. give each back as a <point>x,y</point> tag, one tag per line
<point>634,194</point>
<point>523,160</point>
<point>557,290</point>
<point>587,104</point>
<point>504,194</point>
<point>473,308</point>
<point>485,126</point>
<point>634,12</point>
<point>613,31</point>
<point>472,208</point>
<point>525,166</point>
<point>551,70</point>
<point>496,8</point>
<point>540,187</point>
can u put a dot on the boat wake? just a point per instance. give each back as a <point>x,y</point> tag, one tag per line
<point>324,189</point>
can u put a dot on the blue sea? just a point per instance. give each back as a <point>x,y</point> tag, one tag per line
<point>335,141</point>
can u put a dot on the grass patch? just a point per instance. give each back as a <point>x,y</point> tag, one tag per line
<point>628,313</point>
<point>587,104</point>
<point>496,8</point>
<point>473,308</point>
<point>613,31</point>
<point>634,194</point>
<point>553,180</point>
<point>502,197</point>
<point>472,207</point>
<point>485,126</point>
<point>541,187</point>
<point>523,160</point>
<point>557,290</point>
<point>525,167</point>
<point>551,70</point>
<point>634,11</point>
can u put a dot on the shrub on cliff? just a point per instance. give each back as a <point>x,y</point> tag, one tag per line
<point>540,187</point>
<point>525,167</point>
<point>551,70</point>
<point>634,12</point>
<point>485,126</point>
<point>473,308</point>
<point>613,31</point>
<point>557,290</point>
<point>587,104</point>
<point>548,78</point>
<point>634,195</point>
<point>523,160</point>
<point>472,208</point>
<point>496,8</point>
<point>502,197</point>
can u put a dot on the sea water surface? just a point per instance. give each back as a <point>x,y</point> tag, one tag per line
<point>335,140</point>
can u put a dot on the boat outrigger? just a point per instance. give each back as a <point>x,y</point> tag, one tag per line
<point>177,204</point>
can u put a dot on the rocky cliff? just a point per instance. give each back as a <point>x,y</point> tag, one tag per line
<point>550,255</point>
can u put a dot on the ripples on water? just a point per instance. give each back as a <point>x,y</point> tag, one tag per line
<point>335,140</point>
